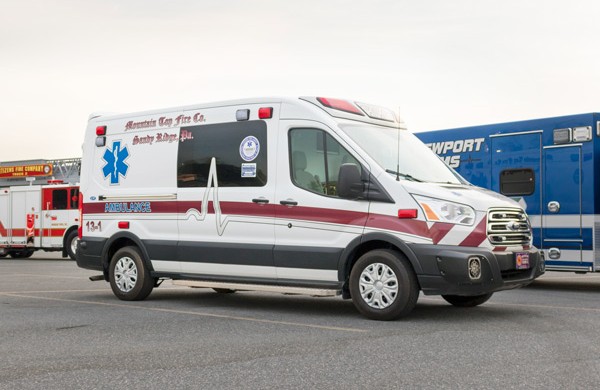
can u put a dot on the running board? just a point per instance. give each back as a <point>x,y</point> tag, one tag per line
<point>315,292</point>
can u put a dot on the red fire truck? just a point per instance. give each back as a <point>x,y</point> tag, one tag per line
<point>40,217</point>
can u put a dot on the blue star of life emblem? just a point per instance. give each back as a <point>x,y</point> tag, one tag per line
<point>115,162</point>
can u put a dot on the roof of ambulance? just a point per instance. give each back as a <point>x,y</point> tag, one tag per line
<point>224,103</point>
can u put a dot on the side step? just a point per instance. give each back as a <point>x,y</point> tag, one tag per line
<point>315,292</point>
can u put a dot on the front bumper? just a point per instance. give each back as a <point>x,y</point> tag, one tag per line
<point>446,271</point>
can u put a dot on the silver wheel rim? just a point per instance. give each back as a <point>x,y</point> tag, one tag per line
<point>125,274</point>
<point>378,285</point>
<point>74,242</point>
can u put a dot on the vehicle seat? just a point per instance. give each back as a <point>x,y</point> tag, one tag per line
<point>301,177</point>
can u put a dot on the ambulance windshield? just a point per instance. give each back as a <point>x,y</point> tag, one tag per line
<point>401,154</point>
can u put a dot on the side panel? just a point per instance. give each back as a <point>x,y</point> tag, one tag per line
<point>25,214</point>
<point>226,183</point>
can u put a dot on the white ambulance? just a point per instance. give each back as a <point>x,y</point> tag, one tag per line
<point>39,218</point>
<point>305,195</point>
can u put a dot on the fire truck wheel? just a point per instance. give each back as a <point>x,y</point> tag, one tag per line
<point>20,254</point>
<point>470,301</point>
<point>129,278</point>
<point>383,285</point>
<point>71,244</point>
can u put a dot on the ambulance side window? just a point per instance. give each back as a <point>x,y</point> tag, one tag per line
<point>315,160</point>
<point>59,200</point>
<point>239,149</point>
<point>517,182</point>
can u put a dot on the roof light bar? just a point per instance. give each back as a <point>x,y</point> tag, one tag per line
<point>339,104</point>
<point>378,112</point>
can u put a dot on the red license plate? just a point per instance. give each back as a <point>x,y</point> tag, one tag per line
<point>522,260</point>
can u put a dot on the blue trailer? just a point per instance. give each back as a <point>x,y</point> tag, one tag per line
<point>550,166</point>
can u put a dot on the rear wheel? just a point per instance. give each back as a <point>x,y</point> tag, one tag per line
<point>129,277</point>
<point>71,244</point>
<point>383,285</point>
<point>467,301</point>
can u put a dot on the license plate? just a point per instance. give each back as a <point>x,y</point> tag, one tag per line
<point>522,260</point>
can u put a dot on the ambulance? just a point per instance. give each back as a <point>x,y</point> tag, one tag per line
<point>39,217</point>
<point>550,166</point>
<point>306,195</point>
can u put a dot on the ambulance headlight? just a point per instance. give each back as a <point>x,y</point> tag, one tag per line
<point>438,210</point>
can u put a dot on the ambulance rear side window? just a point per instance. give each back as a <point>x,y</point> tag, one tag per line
<point>517,182</point>
<point>240,150</point>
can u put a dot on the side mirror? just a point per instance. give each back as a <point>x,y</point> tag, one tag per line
<point>349,184</point>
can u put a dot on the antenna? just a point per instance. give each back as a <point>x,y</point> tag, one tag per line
<point>398,147</point>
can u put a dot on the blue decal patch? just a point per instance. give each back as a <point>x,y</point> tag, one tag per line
<point>115,162</point>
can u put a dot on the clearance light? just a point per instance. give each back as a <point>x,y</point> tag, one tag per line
<point>265,112</point>
<point>100,130</point>
<point>242,115</point>
<point>123,224</point>
<point>342,105</point>
<point>407,213</point>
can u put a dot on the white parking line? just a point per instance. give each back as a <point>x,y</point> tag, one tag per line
<point>589,309</point>
<point>194,313</point>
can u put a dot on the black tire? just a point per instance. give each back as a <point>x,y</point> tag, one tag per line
<point>129,277</point>
<point>467,301</point>
<point>71,244</point>
<point>401,289</point>
<point>224,290</point>
<point>20,254</point>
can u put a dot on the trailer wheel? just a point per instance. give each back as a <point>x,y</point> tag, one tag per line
<point>383,285</point>
<point>71,244</point>
<point>467,301</point>
<point>129,278</point>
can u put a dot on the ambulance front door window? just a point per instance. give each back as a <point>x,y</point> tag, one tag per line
<point>315,160</point>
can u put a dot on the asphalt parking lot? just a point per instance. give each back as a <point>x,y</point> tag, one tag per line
<point>59,330</point>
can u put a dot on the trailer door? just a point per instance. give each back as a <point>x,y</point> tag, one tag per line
<point>516,171</point>
<point>561,211</point>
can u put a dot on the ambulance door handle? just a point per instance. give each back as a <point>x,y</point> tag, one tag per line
<point>260,200</point>
<point>288,202</point>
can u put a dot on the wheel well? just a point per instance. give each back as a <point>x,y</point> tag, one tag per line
<point>66,235</point>
<point>361,250</point>
<point>114,247</point>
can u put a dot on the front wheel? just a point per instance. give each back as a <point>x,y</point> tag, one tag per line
<point>71,244</point>
<point>383,285</point>
<point>467,301</point>
<point>130,280</point>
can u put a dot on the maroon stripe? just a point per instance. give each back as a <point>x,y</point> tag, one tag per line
<point>439,230</point>
<point>314,214</point>
<point>410,226</point>
<point>477,236</point>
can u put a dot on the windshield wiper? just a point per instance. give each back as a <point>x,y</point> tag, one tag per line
<point>404,175</point>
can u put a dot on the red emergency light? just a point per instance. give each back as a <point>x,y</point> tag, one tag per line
<point>123,224</point>
<point>339,104</point>
<point>265,112</point>
<point>100,130</point>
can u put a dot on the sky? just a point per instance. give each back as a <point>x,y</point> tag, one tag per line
<point>441,63</point>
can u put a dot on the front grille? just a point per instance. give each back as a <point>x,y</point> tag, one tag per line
<point>507,227</point>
